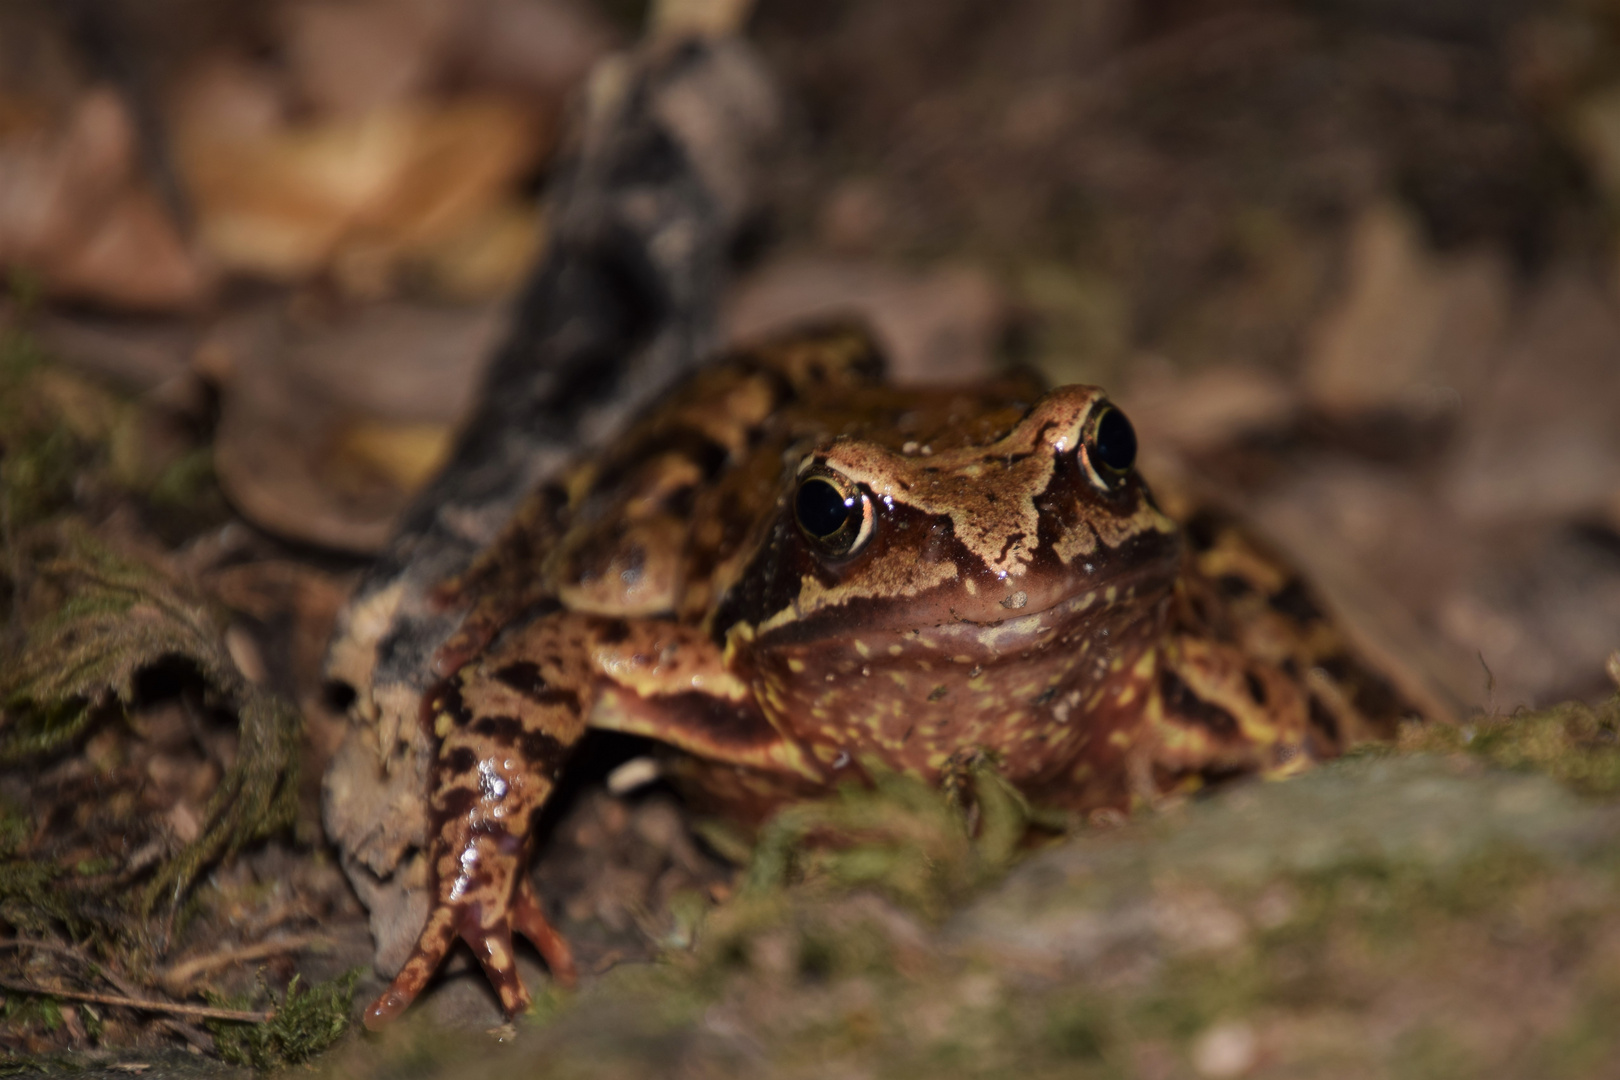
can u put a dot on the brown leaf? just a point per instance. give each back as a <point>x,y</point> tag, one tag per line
<point>73,211</point>
<point>941,326</point>
<point>326,427</point>
<point>1414,331</point>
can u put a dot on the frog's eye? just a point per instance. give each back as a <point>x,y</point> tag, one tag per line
<point>1110,446</point>
<point>836,519</point>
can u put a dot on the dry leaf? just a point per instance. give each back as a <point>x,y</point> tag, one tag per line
<point>75,212</point>
<point>359,195</point>
<point>940,326</point>
<point>1414,330</point>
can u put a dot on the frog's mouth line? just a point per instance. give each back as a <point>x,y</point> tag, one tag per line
<point>1138,579</point>
<point>1141,587</point>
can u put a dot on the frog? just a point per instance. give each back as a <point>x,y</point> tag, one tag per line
<point>792,574</point>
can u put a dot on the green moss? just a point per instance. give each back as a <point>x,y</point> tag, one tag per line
<point>100,619</point>
<point>1574,743</point>
<point>923,847</point>
<point>1587,1044</point>
<point>306,1022</point>
<point>24,1011</point>
<point>1079,1027</point>
<point>1433,1053</point>
<point>187,481</point>
<point>42,456</point>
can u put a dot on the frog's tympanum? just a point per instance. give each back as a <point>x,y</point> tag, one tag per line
<point>791,572</point>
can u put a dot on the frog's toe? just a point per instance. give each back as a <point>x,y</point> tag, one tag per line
<point>491,944</point>
<point>531,922</point>
<point>493,947</point>
<point>434,941</point>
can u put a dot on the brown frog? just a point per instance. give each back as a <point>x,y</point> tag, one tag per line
<point>791,572</point>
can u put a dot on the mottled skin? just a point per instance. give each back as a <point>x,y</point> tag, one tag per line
<point>995,587</point>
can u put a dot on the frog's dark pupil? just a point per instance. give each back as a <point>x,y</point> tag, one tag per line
<point>1115,441</point>
<point>821,508</point>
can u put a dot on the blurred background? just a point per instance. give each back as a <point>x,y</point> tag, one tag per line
<point>1349,264</point>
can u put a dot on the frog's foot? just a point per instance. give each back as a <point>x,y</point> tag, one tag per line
<point>491,943</point>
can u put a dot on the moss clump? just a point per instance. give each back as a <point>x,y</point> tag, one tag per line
<point>106,617</point>
<point>40,454</point>
<point>1574,743</point>
<point>68,443</point>
<point>922,847</point>
<point>306,1022</point>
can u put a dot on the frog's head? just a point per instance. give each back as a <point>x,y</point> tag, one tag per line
<point>984,550</point>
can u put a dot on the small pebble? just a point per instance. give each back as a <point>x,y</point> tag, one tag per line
<point>1227,1049</point>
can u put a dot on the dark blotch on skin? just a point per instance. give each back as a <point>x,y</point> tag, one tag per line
<point>538,748</point>
<point>781,388</point>
<point>1233,586</point>
<point>461,760</point>
<point>1370,692</point>
<point>502,729</point>
<point>524,677</point>
<point>455,802</point>
<point>615,632</point>
<point>1257,687</point>
<point>1324,720</point>
<point>726,724</point>
<point>1180,700</point>
<point>682,501</point>
<point>1203,530</point>
<point>567,699</point>
<point>446,700</point>
<point>1294,601</point>
<point>695,446</point>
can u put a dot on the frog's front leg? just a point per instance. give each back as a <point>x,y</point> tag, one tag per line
<point>506,724</point>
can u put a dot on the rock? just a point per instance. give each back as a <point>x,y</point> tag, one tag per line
<point>1321,926</point>
<point>1225,1050</point>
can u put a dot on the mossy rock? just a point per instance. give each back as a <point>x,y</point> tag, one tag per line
<point>1404,915</point>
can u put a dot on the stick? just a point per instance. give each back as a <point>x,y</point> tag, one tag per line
<point>181,974</point>
<point>127,998</point>
<point>206,1011</point>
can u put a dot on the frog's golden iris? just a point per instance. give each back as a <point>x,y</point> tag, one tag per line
<point>1112,443</point>
<point>833,514</point>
